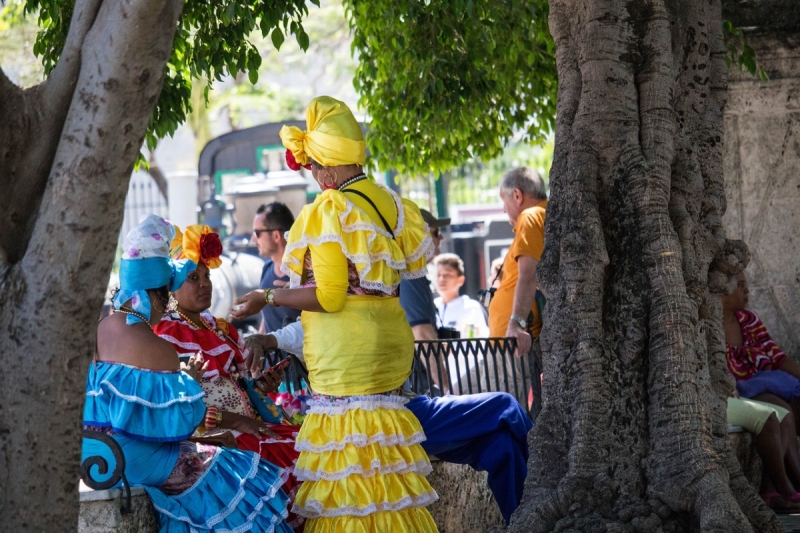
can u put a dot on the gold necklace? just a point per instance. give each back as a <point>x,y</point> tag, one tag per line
<point>137,314</point>
<point>202,321</point>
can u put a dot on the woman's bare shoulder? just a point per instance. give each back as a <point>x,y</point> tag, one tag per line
<point>134,345</point>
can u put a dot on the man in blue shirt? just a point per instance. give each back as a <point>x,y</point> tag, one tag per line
<point>271,222</point>
<point>416,297</point>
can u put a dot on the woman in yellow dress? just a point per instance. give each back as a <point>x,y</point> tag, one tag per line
<point>360,458</point>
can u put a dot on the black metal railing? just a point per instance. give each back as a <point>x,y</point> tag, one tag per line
<point>100,462</point>
<point>469,366</point>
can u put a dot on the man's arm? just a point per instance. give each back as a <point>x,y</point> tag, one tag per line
<point>524,297</point>
<point>424,332</point>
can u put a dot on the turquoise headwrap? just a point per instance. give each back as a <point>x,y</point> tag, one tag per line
<point>146,265</point>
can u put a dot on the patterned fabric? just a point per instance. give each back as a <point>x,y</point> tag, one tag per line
<point>145,265</point>
<point>193,461</point>
<point>758,351</point>
<point>193,487</point>
<point>225,353</point>
<point>354,285</point>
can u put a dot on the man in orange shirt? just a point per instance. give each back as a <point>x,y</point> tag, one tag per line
<point>525,201</point>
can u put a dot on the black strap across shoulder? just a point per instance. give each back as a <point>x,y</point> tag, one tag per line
<point>365,197</point>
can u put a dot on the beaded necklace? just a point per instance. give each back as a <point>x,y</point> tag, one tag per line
<point>137,314</point>
<point>204,324</point>
<point>352,180</point>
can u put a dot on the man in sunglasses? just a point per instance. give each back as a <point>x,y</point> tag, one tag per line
<point>270,224</point>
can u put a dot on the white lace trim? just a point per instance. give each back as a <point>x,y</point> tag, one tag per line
<point>425,248</point>
<point>414,274</point>
<point>142,401</point>
<point>315,509</point>
<point>422,467</point>
<point>361,440</point>
<point>366,403</point>
<point>223,514</point>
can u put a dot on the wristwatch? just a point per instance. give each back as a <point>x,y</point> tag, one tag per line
<point>521,321</point>
<point>269,297</point>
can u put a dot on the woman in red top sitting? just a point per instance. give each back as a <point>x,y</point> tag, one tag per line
<point>190,328</point>
<point>764,373</point>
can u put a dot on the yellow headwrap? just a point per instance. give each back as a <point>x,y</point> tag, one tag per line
<point>197,243</point>
<point>333,136</point>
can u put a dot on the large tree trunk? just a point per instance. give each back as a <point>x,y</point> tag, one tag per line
<point>67,148</point>
<point>632,436</point>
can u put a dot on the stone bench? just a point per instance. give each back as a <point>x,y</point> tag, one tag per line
<point>465,505</point>
<point>100,512</point>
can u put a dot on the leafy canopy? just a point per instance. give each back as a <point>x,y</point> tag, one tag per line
<point>443,81</point>
<point>213,39</point>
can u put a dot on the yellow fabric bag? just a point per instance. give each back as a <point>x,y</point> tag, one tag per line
<point>366,348</point>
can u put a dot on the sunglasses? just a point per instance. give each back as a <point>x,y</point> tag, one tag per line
<point>258,232</point>
<point>435,233</point>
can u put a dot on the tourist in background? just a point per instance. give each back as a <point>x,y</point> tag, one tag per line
<point>270,224</point>
<point>454,310</point>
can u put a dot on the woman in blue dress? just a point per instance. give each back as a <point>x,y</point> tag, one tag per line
<point>137,393</point>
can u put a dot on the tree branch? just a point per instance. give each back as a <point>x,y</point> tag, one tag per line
<point>35,121</point>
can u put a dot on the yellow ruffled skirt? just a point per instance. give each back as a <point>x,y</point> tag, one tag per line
<point>363,467</point>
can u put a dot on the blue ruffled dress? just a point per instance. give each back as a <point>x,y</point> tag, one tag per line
<point>149,413</point>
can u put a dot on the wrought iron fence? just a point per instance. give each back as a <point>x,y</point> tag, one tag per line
<point>469,366</point>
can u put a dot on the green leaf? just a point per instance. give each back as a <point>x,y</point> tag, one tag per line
<point>277,38</point>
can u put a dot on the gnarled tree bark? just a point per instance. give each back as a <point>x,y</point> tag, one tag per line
<point>67,148</point>
<point>632,436</point>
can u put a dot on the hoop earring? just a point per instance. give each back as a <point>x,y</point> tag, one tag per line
<point>331,185</point>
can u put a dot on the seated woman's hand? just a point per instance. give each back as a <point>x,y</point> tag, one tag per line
<point>251,426</point>
<point>249,304</point>
<point>195,367</point>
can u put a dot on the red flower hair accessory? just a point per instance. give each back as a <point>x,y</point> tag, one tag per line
<point>199,244</point>
<point>292,163</point>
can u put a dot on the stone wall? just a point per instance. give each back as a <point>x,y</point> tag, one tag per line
<point>762,180</point>
<point>465,505</point>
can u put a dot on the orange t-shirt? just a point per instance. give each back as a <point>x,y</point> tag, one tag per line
<point>528,241</point>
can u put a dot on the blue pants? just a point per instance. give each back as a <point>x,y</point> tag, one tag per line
<point>486,431</point>
<point>784,386</point>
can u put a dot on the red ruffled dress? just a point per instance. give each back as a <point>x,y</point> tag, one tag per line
<point>225,353</point>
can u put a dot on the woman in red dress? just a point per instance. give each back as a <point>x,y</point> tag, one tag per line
<point>191,329</point>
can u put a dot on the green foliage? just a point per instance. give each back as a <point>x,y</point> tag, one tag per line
<point>444,81</point>
<point>478,182</point>
<point>212,39</point>
<point>739,52</point>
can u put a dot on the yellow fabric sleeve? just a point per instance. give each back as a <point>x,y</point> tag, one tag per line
<point>379,260</point>
<point>330,273</point>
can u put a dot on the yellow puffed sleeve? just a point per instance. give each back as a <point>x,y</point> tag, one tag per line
<point>330,273</point>
<point>380,260</point>
<point>415,237</point>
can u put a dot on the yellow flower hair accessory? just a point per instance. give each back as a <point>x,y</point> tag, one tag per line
<point>197,243</point>
<point>333,136</point>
